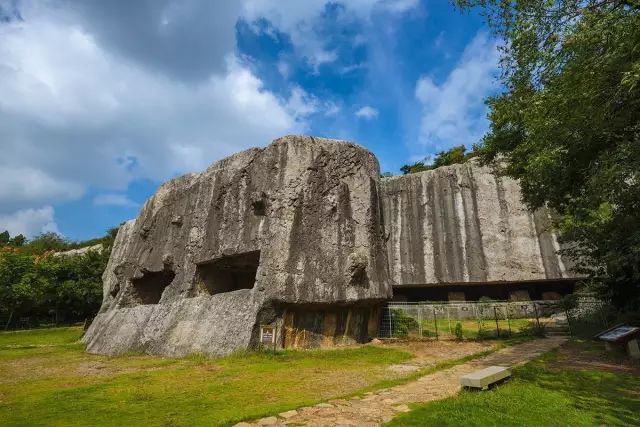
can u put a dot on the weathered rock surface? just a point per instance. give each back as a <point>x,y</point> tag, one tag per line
<point>304,236</point>
<point>461,223</point>
<point>214,255</point>
<point>80,251</point>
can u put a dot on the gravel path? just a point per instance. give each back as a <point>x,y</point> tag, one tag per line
<point>378,407</point>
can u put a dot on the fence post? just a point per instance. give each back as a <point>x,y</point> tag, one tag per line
<point>475,312</point>
<point>495,314</point>
<point>507,310</point>
<point>449,320</point>
<point>535,308</point>
<point>420,320</point>
<point>435,321</point>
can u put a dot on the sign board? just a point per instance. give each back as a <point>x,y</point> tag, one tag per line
<point>619,333</point>
<point>267,334</point>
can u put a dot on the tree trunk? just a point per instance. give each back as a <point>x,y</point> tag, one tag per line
<point>9,321</point>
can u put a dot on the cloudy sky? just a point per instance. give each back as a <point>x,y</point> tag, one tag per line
<point>100,101</point>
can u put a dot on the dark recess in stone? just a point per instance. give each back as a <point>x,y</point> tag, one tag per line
<point>148,288</point>
<point>228,273</point>
<point>259,207</point>
<point>115,290</point>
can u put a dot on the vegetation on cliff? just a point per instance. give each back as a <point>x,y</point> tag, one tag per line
<point>457,154</point>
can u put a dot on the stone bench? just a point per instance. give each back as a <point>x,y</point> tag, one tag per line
<point>483,378</point>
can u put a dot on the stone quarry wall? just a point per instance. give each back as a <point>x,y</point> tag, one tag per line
<point>214,255</point>
<point>461,223</point>
<point>303,235</point>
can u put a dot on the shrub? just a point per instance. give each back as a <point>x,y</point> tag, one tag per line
<point>402,323</point>
<point>458,331</point>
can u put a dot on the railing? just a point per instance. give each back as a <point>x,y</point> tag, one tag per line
<point>489,319</point>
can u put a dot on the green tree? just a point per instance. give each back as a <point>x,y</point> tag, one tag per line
<point>414,168</point>
<point>46,242</point>
<point>568,125</point>
<point>443,158</point>
<point>36,283</point>
<point>4,238</point>
<point>17,241</point>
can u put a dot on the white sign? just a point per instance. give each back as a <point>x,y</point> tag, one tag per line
<point>267,335</point>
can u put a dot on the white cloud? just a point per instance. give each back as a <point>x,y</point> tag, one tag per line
<point>92,98</point>
<point>23,185</point>
<point>332,109</point>
<point>29,222</point>
<point>82,116</point>
<point>367,112</point>
<point>298,19</point>
<point>114,200</point>
<point>453,111</point>
<point>300,103</point>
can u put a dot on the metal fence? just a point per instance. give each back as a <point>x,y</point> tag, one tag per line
<point>489,319</point>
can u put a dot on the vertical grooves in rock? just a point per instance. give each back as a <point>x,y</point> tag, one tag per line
<point>455,257</point>
<point>547,248</point>
<point>414,231</point>
<point>439,250</point>
<point>475,249</point>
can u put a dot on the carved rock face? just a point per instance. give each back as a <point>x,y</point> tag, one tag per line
<point>214,255</point>
<point>462,223</point>
<point>293,236</point>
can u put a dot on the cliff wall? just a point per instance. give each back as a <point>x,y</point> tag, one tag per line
<point>214,255</point>
<point>461,223</point>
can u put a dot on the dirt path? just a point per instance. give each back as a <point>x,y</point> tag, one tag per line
<point>379,407</point>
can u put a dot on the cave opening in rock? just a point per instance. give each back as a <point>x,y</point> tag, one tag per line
<point>229,273</point>
<point>148,289</point>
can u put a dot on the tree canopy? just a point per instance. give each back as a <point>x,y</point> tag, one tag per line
<point>443,158</point>
<point>568,125</point>
<point>44,287</point>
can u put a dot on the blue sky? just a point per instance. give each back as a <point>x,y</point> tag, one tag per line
<point>102,101</point>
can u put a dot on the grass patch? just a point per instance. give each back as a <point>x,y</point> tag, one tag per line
<point>40,337</point>
<point>473,329</point>
<point>540,394</point>
<point>47,379</point>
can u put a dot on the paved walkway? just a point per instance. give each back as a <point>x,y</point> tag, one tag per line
<point>378,407</point>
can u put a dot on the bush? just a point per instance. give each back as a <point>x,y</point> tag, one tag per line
<point>458,331</point>
<point>402,323</point>
<point>50,288</point>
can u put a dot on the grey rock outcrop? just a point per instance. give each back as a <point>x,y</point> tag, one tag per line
<point>304,236</point>
<point>214,255</point>
<point>462,223</point>
<point>80,251</point>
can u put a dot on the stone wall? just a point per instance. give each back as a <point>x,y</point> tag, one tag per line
<point>461,223</point>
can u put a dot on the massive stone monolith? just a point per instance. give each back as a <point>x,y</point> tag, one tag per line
<point>290,235</point>
<point>463,224</point>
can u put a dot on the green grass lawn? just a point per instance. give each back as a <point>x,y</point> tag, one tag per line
<point>472,329</point>
<point>40,337</point>
<point>543,393</point>
<point>46,378</point>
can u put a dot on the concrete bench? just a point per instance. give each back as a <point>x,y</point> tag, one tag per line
<point>485,377</point>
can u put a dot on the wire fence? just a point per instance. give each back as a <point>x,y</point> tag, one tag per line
<point>490,319</point>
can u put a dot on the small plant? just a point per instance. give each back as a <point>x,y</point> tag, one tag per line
<point>458,331</point>
<point>402,323</point>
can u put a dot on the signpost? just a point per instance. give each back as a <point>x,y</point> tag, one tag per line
<point>623,335</point>
<point>268,336</point>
